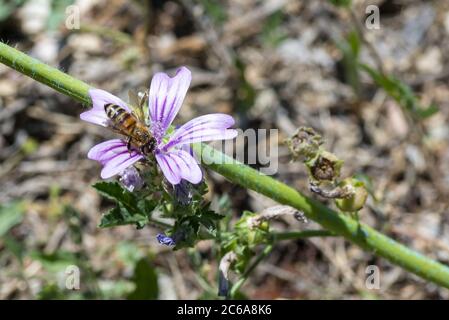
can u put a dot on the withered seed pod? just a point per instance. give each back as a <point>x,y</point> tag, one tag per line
<point>323,169</point>
<point>304,144</point>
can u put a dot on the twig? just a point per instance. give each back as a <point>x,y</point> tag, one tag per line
<point>275,213</point>
<point>334,193</point>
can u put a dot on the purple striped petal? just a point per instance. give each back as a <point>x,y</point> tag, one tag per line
<point>104,151</point>
<point>177,165</point>
<point>114,156</point>
<point>205,128</point>
<point>119,164</point>
<point>96,114</point>
<point>166,96</point>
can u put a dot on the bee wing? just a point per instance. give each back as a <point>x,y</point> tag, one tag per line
<point>143,112</point>
<point>135,105</point>
<point>143,98</point>
<point>133,98</point>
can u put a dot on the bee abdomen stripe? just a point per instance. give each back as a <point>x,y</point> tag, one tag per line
<point>113,111</point>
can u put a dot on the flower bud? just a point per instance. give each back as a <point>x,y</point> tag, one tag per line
<point>165,240</point>
<point>357,200</point>
<point>131,180</point>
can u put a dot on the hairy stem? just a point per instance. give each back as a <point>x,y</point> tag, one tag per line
<point>341,224</point>
<point>45,74</point>
<point>293,235</point>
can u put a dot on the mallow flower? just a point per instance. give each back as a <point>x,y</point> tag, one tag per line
<point>165,98</point>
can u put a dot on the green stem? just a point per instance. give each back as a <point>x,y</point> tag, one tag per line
<point>45,74</point>
<point>360,234</point>
<point>278,236</point>
<point>341,224</point>
<point>236,287</point>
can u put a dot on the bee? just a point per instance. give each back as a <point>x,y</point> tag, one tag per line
<point>130,125</point>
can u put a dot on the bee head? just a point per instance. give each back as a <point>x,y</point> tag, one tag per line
<point>149,147</point>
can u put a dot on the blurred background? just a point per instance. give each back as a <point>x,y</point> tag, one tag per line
<point>272,64</point>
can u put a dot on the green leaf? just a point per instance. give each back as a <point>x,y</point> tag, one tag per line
<point>112,218</point>
<point>146,206</point>
<point>209,219</point>
<point>354,43</point>
<point>56,261</point>
<point>212,215</point>
<point>145,279</point>
<point>429,111</point>
<point>129,208</point>
<point>119,216</point>
<point>10,215</point>
<point>114,191</point>
<point>350,48</point>
<point>401,93</point>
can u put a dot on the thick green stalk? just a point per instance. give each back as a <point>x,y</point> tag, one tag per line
<point>295,235</point>
<point>360,234</point>
<point>43,73</point>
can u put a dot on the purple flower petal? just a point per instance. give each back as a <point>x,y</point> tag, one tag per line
<point>114,156</point>
<point>205,128</point>
<point>166,96</point>
<point>119,163</point>
<point>169,167</point>
<point>193,173</point>
<point>96,114</point>
<point>106,150</point>
<point>177,165</point>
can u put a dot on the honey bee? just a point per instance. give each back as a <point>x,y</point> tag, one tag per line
<point>128,124</point>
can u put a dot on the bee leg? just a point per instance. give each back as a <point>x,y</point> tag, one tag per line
<point>128,144</point>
